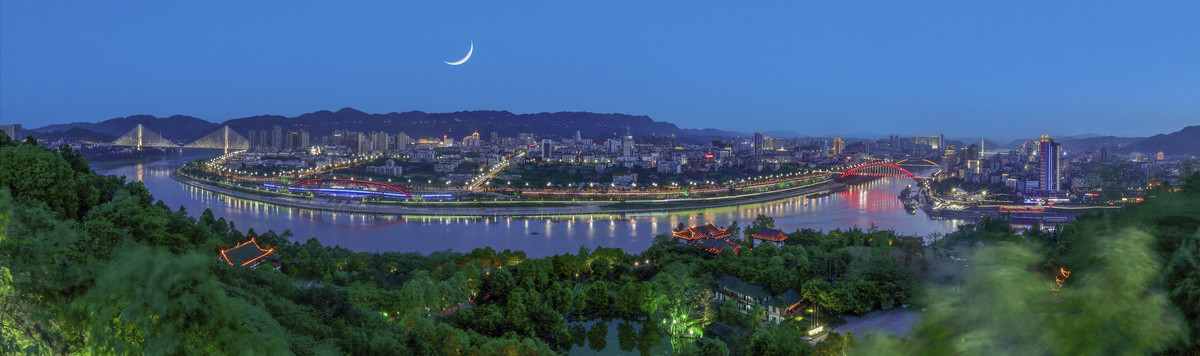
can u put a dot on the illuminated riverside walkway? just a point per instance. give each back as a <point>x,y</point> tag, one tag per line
<point>552,208</point>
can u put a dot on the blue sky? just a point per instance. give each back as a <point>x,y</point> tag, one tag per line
<point>1002,69</point>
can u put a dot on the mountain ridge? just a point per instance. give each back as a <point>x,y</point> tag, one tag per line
<point>414,123</point>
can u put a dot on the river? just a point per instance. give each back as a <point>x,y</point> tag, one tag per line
<point>873,203</point>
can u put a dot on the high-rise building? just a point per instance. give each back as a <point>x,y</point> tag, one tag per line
<point>338,138</point>
<point>547,148</point>
<point>472,140</point>
<point>627,145</point>
<point>402,141</point>
<point>290,140</point>
<point>578,137</point>
<point>304,139</point>
<point>972,152</point>
<point>949,159</point>
<point>379,141</point>
<point>1050,155</point>
<point>364,144</point>
<point>758,144</point>
<point>838,145</point>
<point>264,139</point>
<point>276,137</point>
<point>13,131</point>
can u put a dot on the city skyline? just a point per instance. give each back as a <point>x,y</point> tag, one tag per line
<point>1011,70</point>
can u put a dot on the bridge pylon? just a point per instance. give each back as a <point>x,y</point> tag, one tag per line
<point>224,138</point>
<point>139,136</point>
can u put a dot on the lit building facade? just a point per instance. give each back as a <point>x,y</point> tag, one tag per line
<point>1050,155</point>
<point>758,144</point>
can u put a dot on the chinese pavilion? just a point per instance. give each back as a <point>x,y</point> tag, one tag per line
<point>249,254</point>
<point>773,235</point>
<point>706,231</point>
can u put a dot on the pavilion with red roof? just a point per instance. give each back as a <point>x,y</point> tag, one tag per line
<point>706,231</point>
<point>249,254</point>
<point>774,235</point>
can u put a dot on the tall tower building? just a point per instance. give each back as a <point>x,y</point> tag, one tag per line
<point>304,139</point>
<point>401,141</point>
<point>758,144</point>
<point>627,144</point>
<point>290,140</point>
<point>547,148</point>
<point>264,139</point>
<point>338,138</point>
<point>379,141</point>
<point>277,137</point>
<point>838,145</point>
<point>364,144</point>
<point>1050,155</point>
<point>13,131</point>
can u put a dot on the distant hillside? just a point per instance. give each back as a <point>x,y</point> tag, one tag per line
<point>1086,143</point>
<point>1185,141</point>
<point>177,128</point>
<point>463,123</point>
<point>1097,142</point>
<point>74,134</point>
<point>184,129</point>
<point>709,133</point>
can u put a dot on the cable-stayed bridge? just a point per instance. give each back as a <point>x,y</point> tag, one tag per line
<point>224,138</point>
<point>140,136</point>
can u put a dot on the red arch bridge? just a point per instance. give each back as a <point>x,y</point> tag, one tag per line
<point>879,169</point>
<point>350,188</point>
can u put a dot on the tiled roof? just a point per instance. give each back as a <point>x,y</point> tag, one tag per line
<point>717,246</point>
<point>786,300</point>
<point>706,231</point>
<point>721,331</point>
<point>741,287</point>
<point>770,235</point>
<point>245,253</point>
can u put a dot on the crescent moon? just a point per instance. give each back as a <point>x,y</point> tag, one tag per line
<point>464,59</point>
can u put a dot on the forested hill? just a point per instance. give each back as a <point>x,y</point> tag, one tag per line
<point>463,123</point>
<point>1185,141</point>
<point>180,128</point>
<point>599,126</point>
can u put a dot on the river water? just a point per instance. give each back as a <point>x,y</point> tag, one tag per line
<point>865,205</point>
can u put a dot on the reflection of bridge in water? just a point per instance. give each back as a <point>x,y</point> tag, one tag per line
<point>224,138</point>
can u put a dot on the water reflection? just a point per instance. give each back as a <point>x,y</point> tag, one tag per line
<point>866,205</point>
